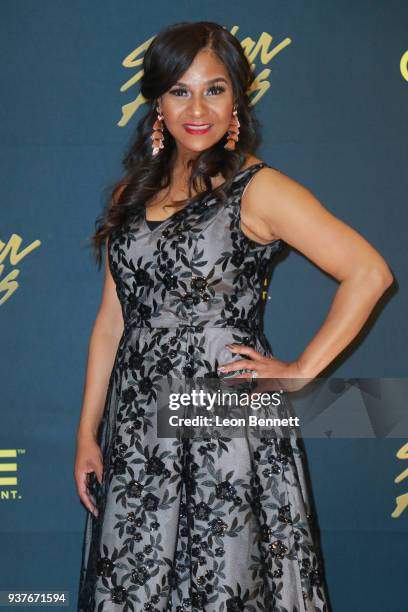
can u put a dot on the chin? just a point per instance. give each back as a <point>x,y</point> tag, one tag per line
<point>199,149</point>
<point>196,144</point>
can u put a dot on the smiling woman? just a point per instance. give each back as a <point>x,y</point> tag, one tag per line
<point>211,523</point>
<point>200,106</point>
<point>200,128</point>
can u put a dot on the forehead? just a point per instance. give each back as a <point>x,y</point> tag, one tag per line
<point>206,66</point>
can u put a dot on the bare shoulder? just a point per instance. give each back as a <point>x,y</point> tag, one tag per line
<point>271,184</point>
<point>269,177</point>
<point>268,198</point>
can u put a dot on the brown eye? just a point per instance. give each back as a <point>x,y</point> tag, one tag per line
<point>175,92</point>
<point>217,88</point>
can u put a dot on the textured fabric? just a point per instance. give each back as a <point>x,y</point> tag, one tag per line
<point>188,525</point>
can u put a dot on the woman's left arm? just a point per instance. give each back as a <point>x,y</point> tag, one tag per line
<point>285,209</point>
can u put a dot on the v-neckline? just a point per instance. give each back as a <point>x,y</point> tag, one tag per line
<point>151,230</point>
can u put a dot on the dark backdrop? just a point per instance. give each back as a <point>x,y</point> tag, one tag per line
<point>333,108</point>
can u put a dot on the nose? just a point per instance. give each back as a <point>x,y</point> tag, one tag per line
<point>197,107</point>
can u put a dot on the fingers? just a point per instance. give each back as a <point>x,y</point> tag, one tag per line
<point>236,365</point>
<point>99,473</point>
<point>86,498</point>
<point>244,350</point>
<point>244,375</point>
<point>243,363</point>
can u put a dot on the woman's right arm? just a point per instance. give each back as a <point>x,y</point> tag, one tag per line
<point>102,348</point>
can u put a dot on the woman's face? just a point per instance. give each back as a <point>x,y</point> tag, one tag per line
<point>203,95</point>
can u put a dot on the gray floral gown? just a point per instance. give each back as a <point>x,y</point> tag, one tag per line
<point>188,525</point>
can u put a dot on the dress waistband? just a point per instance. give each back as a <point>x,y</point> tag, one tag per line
<point>246,326</point>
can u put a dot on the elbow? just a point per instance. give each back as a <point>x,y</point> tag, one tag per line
<point>380,277</point>
<point>389,278</point>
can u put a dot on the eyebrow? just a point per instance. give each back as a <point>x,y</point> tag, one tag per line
<point>207,82</point>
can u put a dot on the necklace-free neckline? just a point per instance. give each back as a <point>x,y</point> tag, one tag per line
<point>163,221</point>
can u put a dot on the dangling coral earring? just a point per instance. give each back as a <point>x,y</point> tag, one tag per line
<point>157,136</point>
<point>233,132</point>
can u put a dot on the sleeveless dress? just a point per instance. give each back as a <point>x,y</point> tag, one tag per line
<point>189,525</point>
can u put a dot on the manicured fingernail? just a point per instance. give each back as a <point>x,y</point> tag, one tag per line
<point>221,369</point>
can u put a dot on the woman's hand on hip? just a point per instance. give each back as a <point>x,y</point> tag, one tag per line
<point>269,368</point>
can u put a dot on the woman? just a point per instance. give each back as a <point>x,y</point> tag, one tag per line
<point>202,524</point>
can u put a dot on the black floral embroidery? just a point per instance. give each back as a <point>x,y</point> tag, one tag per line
<point>186,525</point>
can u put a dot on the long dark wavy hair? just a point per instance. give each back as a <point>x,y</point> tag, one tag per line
<point>167,58</point>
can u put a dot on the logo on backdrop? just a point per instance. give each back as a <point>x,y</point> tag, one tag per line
<point>11,249</point>
<point>404,65</point>
<point>8,473</point>
<point>402,500</point>
<point>262,49</point>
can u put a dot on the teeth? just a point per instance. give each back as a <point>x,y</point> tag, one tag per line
<point>195,127</point>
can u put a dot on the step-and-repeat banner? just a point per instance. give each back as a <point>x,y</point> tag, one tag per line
<point>331,93</point>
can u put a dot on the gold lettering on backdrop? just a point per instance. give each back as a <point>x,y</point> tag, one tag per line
<point>132,61</point>
<point>262,48</point>
<point>9,467</point>
<point>404,65</point>
<point>253,49</point>
<point>8,284</point>
<point>264,293</point>
<point>8,470</point>
<point>401,500</point>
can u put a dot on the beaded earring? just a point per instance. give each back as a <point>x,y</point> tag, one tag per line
<point>157,135</point>
<point>233,131</point>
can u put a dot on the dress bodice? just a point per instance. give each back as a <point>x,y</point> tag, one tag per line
<point>195,268</point>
